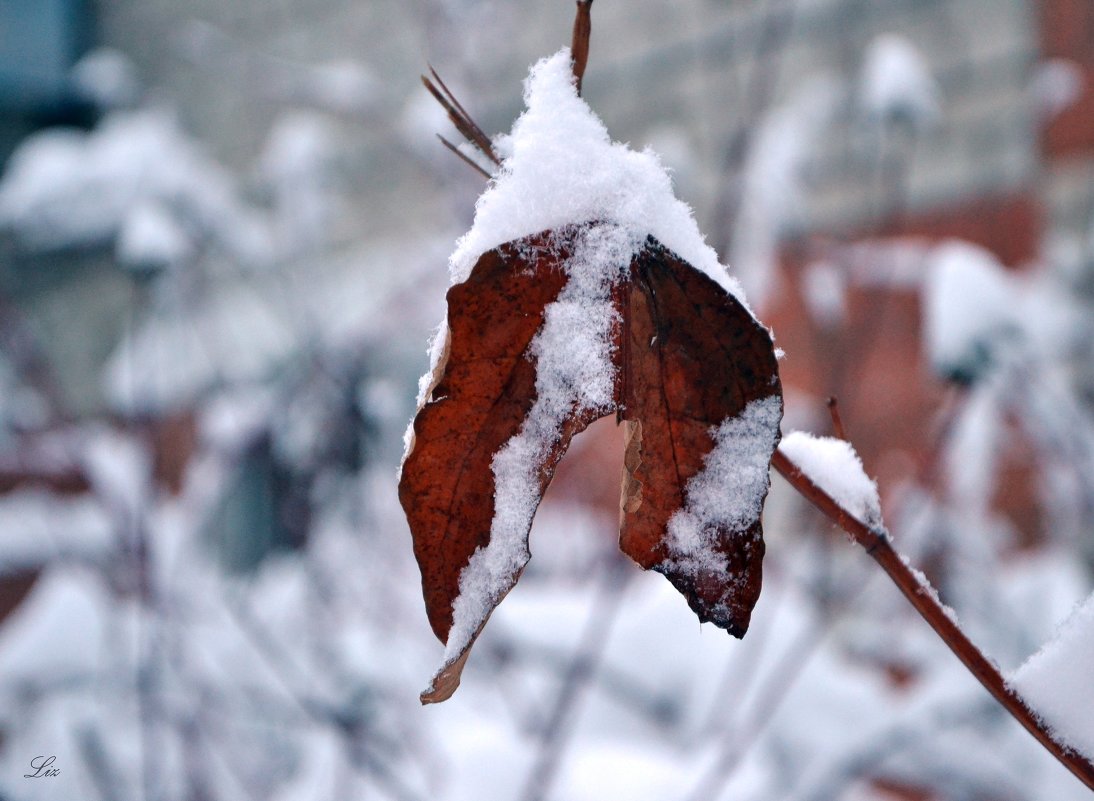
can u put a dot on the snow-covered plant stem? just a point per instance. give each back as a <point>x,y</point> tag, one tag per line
<point>922,596</point>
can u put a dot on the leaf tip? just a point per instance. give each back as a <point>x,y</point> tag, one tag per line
<point>446,681</point>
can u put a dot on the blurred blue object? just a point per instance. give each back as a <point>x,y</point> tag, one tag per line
<point>40,40</point>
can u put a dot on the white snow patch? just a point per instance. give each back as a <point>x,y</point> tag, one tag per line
<point>297,162</point>
<point>119,467</point>
<point>151,237</point>
<point>40,526</point>
<point>59,629</point>
<point>240,335</point>
<point>613,768</point>
<point>564,169</point>
<point>1056,84</point>
<point>969,301</point>
<point>896,83</point>
<point>825,287</point>
<point>68,189</point>
<point>729,491</point>
<point>833,465</point>
<point>1055,682</point>
<point>773,197</point>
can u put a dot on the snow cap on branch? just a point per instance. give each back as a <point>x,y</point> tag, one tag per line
<point>1056,681</point>
<point>833,465</point>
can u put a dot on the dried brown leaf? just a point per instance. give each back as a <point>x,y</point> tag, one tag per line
<point>688,357</point>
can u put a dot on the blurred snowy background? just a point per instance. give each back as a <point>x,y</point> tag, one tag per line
<point>223,237</point>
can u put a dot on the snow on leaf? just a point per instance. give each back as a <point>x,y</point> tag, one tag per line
<point>561,167</point>
<point>700,378</point>
<point>474,419</point>
<point>727,494</point>
<point>548,334</point>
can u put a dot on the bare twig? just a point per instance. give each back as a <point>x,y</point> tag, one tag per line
<point>467,126</point>
<point>459,116</point>
<point>654,704</point>
<point>768,698</point>
<point>467,159</point>
<point>922,596</point>
<point>583,28</point>
<point>837,421</point>
<point>63,481</point>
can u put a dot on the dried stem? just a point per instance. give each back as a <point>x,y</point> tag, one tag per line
<point>583,28</point>
<point>459,116</point>
<point>922,596</point>
<point>467,126</point>
<point>837,421</point>
<point>466,159</point>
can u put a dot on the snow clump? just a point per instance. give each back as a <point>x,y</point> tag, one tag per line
<point>833,465</point>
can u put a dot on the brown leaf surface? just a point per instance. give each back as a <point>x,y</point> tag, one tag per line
<point>486,389</point>
<point>688,357</point>
<point>692,357</point>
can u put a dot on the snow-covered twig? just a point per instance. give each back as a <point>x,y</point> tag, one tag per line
<point>875,540</point>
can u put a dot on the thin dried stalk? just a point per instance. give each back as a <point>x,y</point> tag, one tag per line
<point>459,116</point>
<point>837,420</point>
<point>583,28</point>
<point>924,599</point>
<point>467,159</point>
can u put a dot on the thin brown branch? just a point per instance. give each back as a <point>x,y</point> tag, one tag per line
<point>837,421</point>
<point>459,116</point>
<point>467,159</point>
<point>63,481</point>
<point>923,597</point>
<point>583,28</point>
